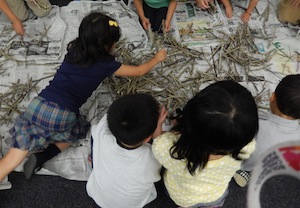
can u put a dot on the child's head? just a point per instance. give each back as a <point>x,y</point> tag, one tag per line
<point>97,35</point>
<point>132,119</point>
<point>220,120</point>
<point>287,96</point>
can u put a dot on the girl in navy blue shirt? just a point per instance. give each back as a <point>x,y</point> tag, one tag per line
<point>52,119</point>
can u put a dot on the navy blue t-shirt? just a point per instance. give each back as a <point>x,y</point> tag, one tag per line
<point>73,85</point>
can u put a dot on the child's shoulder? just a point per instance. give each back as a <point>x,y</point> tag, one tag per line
<point>247,150</point>
<point>263,116</point>
<point>166,139</point>
<point>169,135</point>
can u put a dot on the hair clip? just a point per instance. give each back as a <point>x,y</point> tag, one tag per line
<point>112,23</point>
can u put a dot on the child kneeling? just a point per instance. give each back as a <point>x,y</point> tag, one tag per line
<point>124,168</point>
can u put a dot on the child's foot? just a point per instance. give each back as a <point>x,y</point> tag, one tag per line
<point>5,184</point>
<point>31,166</point>
<point>36,160</point>
<point>241,177</point>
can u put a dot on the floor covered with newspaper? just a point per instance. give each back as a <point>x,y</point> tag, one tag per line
<point>202,48</point>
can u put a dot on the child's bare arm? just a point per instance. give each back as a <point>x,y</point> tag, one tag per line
<point>162,117</point>
<point>171,9</point>
<point>246,15</point>
<point>16,22</point>
<point>133,71</point>
<point>139,7</point>
<point>228,8</point>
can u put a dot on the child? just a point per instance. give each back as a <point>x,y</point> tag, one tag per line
<point>53,117</point>
<point>124,168</point>
<point>204,4</point>
<point>207,146</point>
<point>281,125</point>
<point>289,11</point>
<point>16,11</point>
<point>153,12</point>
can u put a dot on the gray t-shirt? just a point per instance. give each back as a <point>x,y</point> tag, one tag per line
<point>273,130</point>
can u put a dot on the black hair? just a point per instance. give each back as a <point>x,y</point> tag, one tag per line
<point>287,95</point>
<point>220,120</point>
<point>95,40</point>
<point>132,118</point>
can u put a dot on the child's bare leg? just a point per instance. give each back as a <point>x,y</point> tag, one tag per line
<point>228,8</point>
<point>36,160</point>
<point>62,145</point>
<point>11,160</point>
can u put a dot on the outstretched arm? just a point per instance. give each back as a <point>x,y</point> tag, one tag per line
<point>246,16</point>
<point>16,22</point>
<point>134,71</point>
<point>171,9</point>
<point>139,7</point>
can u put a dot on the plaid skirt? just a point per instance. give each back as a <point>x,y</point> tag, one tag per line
<point>44,122</point>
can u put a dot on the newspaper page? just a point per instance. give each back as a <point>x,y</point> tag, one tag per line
<point>282,159</point>
<point>41,43</point>
<point>128,20</point>
<point>196,27</point>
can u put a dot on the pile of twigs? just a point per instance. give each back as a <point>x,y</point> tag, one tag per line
<point>176,80</point>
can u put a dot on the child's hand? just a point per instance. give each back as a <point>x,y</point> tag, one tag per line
<point>228,11</point>
<point>245,17</point>
<point>162,116</point>
<point>296,3</point>
<point>167,25</point>
<point>161,55</point>
<point>145,23</point>
<point>161,119</point>
<point>18,27</point>
<point>203,4</point>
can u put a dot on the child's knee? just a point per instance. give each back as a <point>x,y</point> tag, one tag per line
<point>41,8</point>
<point>19,9</point>
<point>287,13</point>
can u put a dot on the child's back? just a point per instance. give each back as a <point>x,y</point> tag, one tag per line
<point>124,168</point>
<point>282,123</point>
<point>212,138</point>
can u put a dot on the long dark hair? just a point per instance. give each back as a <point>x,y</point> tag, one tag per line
<point>97,34</point>
<point>219,120</point>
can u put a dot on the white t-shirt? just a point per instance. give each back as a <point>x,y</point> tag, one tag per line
<point>272,131</point>
<point>121,178</point>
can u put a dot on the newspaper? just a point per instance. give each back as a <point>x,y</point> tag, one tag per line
<point>127,19</point>
<point>196,27</point>
<point>282,159</point>
<point>41,42</point>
